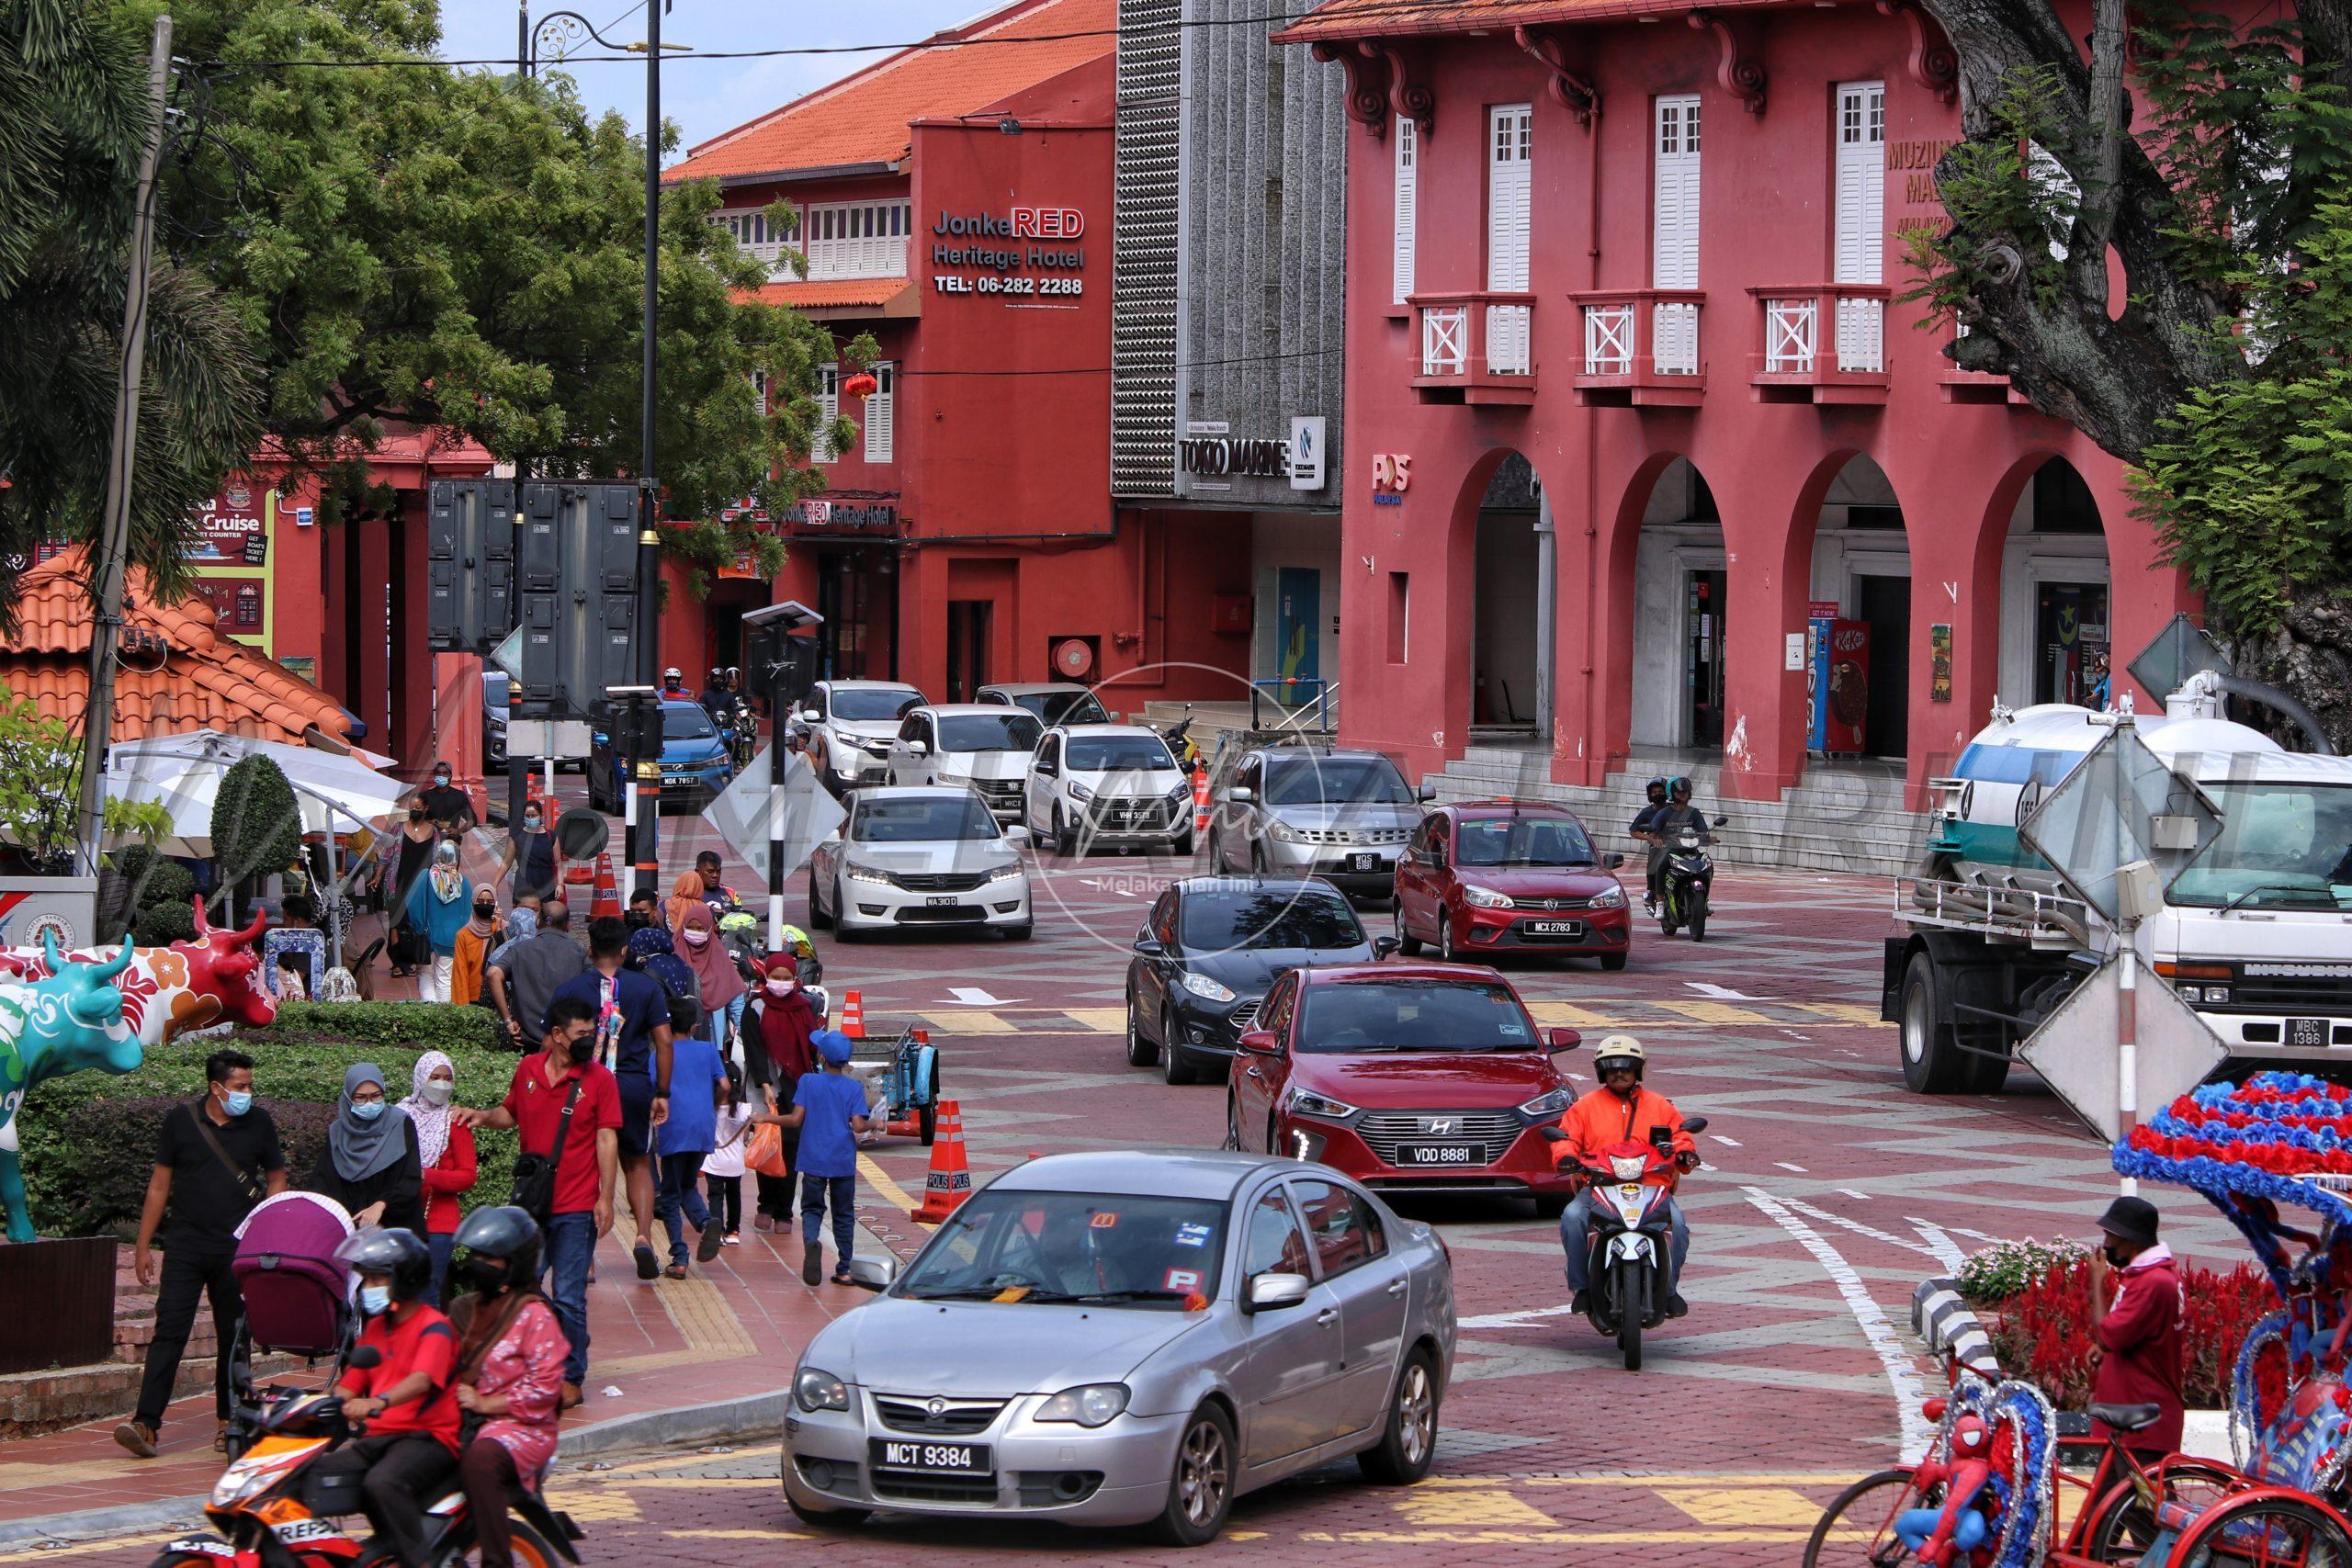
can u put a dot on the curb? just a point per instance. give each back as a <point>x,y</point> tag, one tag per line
<point>1950,1327</point>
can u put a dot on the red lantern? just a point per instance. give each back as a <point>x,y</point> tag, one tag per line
<point>860,386</point>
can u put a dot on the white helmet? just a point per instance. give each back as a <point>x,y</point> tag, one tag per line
<point>1619,1048</point>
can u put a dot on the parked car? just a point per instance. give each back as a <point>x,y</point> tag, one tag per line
<point>1498,876</point>
<point>1410,1077</point>
<point>850,725</point>
<point>494,683</point>
<point>988,747</point>
<point>1129,1337</point>
<point>1302,810</point>
<point>695,764</point>
<point>1108,786</point>
<point>1052,702</point>
<point>1209,949</point>
<point>920,856</point>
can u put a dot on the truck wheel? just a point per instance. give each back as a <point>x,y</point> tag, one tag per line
<point>817,916</point>
<point>1987,1075</point>
<point>1932,1062</point>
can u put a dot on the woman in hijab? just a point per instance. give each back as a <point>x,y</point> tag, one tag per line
<point>476,940</point>
<point>444,1152</point>
<point>685,897</point>
<point>654,956</point>
<point>372,1165</point>
<point>785,1028</point>
<point>716,981</point>
<point>437,910</point>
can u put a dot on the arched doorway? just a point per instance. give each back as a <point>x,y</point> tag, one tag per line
<point>2056,625</point>
<point>1511,607</point>
<point>1681,579</point>
<point>1859,620</point>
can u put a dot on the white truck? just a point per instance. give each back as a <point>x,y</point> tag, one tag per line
<point>2255,931</point>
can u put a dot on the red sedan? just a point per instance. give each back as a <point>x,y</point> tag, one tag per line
<point>1410,1077</point>
<point>1487,878</point>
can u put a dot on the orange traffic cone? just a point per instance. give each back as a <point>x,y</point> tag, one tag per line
<point>606,899</point>
<point>853,1015</point>
<point>1200,800</point>
<point>949,1181</point>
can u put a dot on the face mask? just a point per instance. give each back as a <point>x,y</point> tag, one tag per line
<point>416,814</point>
<point>375,1299</point>
<point>639,919</point>
<point>367,1110</point>
<point>781,987</point>
<point>488,1274</point>
<point>437,1092</point>
<point>485,911</point>
<point>696,938</point>
<point>2114,1255</point>
<point>580,1050</point>
<point>238,1102</point>
<point>531,824</point>
<point>440,781</point>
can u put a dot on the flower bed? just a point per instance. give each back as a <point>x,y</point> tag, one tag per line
<point>2042,1333</point>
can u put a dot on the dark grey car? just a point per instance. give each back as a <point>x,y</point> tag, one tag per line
<point>1315,811</point>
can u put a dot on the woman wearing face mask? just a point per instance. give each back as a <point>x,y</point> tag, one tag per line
<point>444,1152</point>
<point>786,1029</point>
<point>717,983</point>
<point>408,854</point>
<point>510,1370</point>
<point>531,858</point>
<point>372,1164</point>
<point>437,912</point>
<point>471,952</point>
<point>685,897</point>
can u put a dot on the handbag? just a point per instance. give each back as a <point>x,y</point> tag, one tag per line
<point>764,1155</point>
<point>533,1189</point>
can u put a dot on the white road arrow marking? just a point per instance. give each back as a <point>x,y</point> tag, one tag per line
<point>1785,1165</point>
<point>1727,1143</point>
<point>973,996</point>
<point>1722,993</point>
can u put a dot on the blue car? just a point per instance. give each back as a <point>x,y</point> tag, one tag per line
<point>695,764</point>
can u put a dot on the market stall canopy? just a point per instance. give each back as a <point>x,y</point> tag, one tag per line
<point>334,792</point>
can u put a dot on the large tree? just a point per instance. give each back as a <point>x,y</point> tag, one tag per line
<point>2212,159</point>
<point>416,244</point>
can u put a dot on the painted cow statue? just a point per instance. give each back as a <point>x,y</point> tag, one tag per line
<point>70,1022</point>
<point>167,991</point>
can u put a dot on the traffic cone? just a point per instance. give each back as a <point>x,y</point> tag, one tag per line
<point>606,898</point>
<point>1200,800</point>
<point>949,1180</point>
<point>853,1015</point>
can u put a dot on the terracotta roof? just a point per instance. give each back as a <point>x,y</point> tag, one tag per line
<point>863,118</point>
<point>1391,18</point>
<point>188,675</point>
<point>831,291</point>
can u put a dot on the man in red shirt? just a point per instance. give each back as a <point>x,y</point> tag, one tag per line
<point>2135,1296</point>
<point>408,1400</point>
<point>565,1072</point>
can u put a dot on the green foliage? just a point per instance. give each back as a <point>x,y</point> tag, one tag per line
<point>41,771</point>
<point>428,1026</point>
<point>147,896</point>
<point>1993,191</point>
<point>159,924</point>
<point>86,1138</point>
<point>255,827</point>
<point>145,820</point>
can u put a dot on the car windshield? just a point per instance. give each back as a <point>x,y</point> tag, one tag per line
<point>928,819</point>
<point>2285,845</point>
<point>1063,707</point>
<point>1089,1248</point>
<point>1414,1015</point>
<point>1119,754</point>
<point>871,705</point>
<point>686,722</point>
<point>989,732</point>
<point>1522,840</point>
<point>1268,917</point>
<point>1334,781</point>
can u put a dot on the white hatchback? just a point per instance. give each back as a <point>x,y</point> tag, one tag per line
<point>909,858</point>
<point>1108,785</point>
<point>850,725</point>
<point>984,746</point>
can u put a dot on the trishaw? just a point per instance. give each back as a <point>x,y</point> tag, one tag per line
<point>2279,1138</point>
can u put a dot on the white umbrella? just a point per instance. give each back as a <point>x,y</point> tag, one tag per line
<point>332,793</point>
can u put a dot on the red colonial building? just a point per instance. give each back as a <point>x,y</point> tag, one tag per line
<point>1635,415</point>
<point>955,200</point>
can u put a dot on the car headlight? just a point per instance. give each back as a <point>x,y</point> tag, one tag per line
<point>1091,1405</point>
<point>1543,1107</point>
<point>1484,898</point>
<point>1202,985</point>
<point>1628,1168</point>
<point>1081,792</point>
<point>1005,873</point>
<point>1609,898</point>
<point>1307,1103</point>
<point>817,1390</point>
<point>1278,829</point>
<point>1181,794</point>
<point>866,874</point>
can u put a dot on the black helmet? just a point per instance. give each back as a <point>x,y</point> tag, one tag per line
<point>502,1247</point>
<point>397,1253</point>
<point>1678,787</point>
<point>1655,786</point>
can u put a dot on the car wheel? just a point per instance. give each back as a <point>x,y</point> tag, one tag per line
<point>1182,848</point>
<point>1260,863</point>
<point>1174,1066</point>
<point>1408,1442</point>
<point>1200,1493</point>
<point>1552,1208</point>
<point>1406,943</point>
<point>1613,961</point>
<point>1065,837</point>
<point>843,929</point>
<point>1020,932</point>
<point>1232,1123</point>
<point>1141,1053</point>
<point>817,916</point>
<point>826,1518</point>
<point>1216,850</point>
<point>1446,950</point>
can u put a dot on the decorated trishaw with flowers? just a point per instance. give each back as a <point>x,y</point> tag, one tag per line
<point>1987,1492</point>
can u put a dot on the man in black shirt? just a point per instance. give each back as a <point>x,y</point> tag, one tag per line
<point>214,1160</point>
<point>1644,821</point>
<point>447,806</point>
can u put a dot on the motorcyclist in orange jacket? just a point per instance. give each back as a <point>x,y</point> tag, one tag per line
<point>1620,1111</point>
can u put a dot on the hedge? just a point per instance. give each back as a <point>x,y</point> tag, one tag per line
<point>426,1025</point>
<point>89,1140</point>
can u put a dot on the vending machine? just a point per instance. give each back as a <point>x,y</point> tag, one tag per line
<point>1837,686</point>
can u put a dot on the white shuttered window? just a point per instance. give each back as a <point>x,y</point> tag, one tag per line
<point>1509,152</point>
<point>829,406</point>
<point>1861,247</point>
<point>1408,197</point>
<point>1674,233</point>
<point>878,410</point>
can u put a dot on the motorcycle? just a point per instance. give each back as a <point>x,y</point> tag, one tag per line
<point>1179,737</point>
<point>1684,884</point>
<point>271,1509</point>
<point>1628,1251</point>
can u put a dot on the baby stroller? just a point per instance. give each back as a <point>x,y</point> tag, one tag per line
<point>298,1297</point>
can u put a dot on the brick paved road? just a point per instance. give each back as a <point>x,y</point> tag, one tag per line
<point>1829,1192</point>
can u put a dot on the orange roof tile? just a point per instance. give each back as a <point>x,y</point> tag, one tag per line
<point>863,118</point>
<point>1390,19</point>
<point>830,291</point>
<point>189,676</point>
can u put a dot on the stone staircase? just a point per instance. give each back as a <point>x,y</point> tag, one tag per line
<point>1841,816</point>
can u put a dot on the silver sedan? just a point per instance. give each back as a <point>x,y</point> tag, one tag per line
<point>1118,1338</point>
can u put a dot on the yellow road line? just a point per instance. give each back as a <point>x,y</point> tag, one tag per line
<point>1101,1020</point>
<point>1572,1538</point>
<point>1758,1478</point>
<point>949,1022</point>
<point>735,1534</point>
<point>1843,1012</point>
<point>1715,1012</point>
<point>1573,1016</point>
<point>879,1179</point>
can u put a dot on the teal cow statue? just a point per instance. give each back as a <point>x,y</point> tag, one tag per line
<point>68,1023</point>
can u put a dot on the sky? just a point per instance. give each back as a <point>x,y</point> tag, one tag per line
<point>703,98</point>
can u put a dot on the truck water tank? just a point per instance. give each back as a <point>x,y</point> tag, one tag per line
<point>2002,774</point>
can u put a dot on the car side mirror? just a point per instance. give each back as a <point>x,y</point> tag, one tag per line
<point>1722,822</point>
<point>1613,859</point>
<point>1565,1039</point>
<point>1694,1123</point>
<point>1149,948</point>
<point>1257,1043</point>
<point>1425,794</point>
<point>1050,771</point>
<point>1272,1292</point>
<point>917,748</point>
<point>810,715</point>
<point>1241,795</point>
<point>1016,834</point>
<point>873,1273</point>
<point>1382,946</point>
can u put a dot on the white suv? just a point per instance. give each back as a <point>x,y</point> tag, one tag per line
<point>986,748</point>
<point>850,725</point>
<point>1109,785</point>
<point>920,857</point>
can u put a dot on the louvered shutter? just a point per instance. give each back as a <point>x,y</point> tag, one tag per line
<point>829,408</point>
<point>1409,195</point>
<point>1861,247</point>
<point>878,414</point>
<point>1507,211</point>
<point>1674,233</point>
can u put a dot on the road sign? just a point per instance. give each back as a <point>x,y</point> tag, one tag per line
<point>2121,804</point>
<point>508,654</point>
<point>469,563</point>
<point>2074,1049</point>
<point>743,809</point>
<point>2176,653</point>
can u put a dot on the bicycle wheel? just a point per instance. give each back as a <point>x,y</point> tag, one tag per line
<point>2121,1525</point>
<point>2263,1532</point>
<point>1858,1527</point>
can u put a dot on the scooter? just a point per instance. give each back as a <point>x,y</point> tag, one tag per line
<point>272,1510</point>
<point>1628,1257</point>
<point>1684,883</point>
<point>1179,737</point>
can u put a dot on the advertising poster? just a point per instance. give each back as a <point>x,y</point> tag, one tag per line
<point>1940,663</point>
<point>231,557</point>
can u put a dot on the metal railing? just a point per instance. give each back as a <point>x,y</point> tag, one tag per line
<point>1302,706</point>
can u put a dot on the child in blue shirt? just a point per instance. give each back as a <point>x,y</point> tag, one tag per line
<point>698,1085</point>
<point>829,1108</point>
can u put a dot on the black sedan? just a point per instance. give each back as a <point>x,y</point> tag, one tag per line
<point>1209,950</point>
